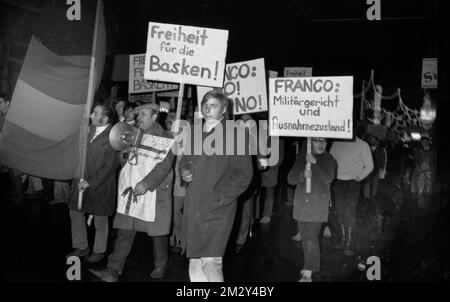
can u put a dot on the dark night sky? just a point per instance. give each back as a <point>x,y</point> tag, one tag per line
<point>284,32</point>
<point>294,33</point>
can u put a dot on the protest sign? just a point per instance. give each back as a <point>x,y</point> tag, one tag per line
<point>174,94</point>
<point>136,81</point>
<point>245,85</point>
<point>273,74</point>
<point>311,107</point>
<point>294,72</point>
<point>141,98</point>
<point>185,54</point>
<point>429,73</point>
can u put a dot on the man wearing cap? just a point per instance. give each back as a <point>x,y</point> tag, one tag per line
<point>144,197</point>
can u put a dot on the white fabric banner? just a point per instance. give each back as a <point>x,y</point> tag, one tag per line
<point>131,174</point>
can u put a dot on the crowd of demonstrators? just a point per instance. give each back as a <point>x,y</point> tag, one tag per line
<point>198,196</point>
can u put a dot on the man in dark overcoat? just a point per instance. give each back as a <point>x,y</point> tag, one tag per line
<point>99,187</point>
<point>215,181</point>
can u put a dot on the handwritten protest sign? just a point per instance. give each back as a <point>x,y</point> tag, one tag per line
<point>174,94</point>
<point>311,107</point>
<point>245,85</point>
<point>136,81</point>
<point>185,54</point>
<point>294,72</point>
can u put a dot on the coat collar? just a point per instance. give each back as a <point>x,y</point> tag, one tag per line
<point>104,132</point>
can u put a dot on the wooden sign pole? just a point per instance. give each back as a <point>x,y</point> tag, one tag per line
<point>308,166</point>
<point>179,105</point>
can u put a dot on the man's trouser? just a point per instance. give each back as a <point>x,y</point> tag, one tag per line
<point>122,248</point>
<point>309,231</point>
<point>346,195</point>
<point>207,269</point>
<point>178,202</point>
<point>79,231</point>
<point>268,201</point>
<point>246,221</point>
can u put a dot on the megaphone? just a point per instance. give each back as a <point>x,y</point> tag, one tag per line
<point>124,136</point>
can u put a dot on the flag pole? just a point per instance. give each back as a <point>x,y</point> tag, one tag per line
<point>84,127</point>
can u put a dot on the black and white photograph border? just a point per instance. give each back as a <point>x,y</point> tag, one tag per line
<point>269,142</point>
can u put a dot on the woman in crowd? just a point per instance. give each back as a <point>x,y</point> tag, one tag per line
<point>311,209</point>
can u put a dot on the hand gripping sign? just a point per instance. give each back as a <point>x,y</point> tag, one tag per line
<point>311,107</point>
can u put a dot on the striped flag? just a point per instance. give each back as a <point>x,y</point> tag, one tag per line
<point>41,133</point>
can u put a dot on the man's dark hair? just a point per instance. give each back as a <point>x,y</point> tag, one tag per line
<point>129,105</point>
<point>110,113</point>
<point>120,100</point>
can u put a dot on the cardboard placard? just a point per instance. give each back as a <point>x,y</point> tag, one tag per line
<point>295,72</point>
<point>185,54</point>
<point>245,85</point>
<point>429,73</point>
<point>273,74</point>
<point>311,107</point>
<point>136,81</point>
